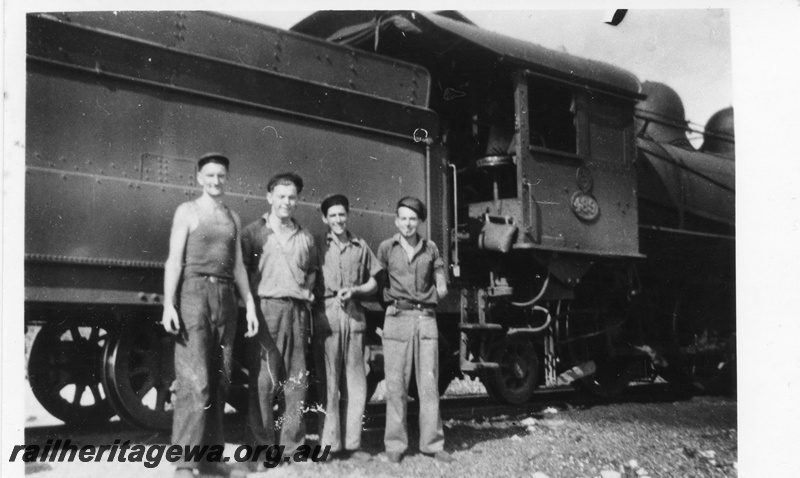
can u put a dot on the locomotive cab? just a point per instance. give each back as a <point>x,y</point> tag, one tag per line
<point>536,154</point>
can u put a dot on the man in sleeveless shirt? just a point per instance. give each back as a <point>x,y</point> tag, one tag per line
<point>200,308</point>
<point>281,262</point>
<point>348,267</point>
<point>416,282</point>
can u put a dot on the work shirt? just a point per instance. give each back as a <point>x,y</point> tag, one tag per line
<point>412,280</point>
<point>275,270</point>
<point>344,265</point>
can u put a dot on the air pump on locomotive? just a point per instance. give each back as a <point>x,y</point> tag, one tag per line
<point>587,241</point>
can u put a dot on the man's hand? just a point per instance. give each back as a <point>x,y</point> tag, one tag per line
<point>170,320</point>
<point>344,294</point>
<point>252,324</point>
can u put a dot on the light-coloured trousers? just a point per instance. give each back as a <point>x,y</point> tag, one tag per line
<point>411,339</point>
<point>339,351</point>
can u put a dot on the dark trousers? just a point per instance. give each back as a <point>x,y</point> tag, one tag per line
<point>278,367</point>
<point>203,353</point>
<point>411,339</point>
<point>339,355</point>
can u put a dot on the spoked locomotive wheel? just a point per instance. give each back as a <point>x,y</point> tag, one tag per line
<point>139,371</point>
<point>64,371</point>
<point>518,376</point>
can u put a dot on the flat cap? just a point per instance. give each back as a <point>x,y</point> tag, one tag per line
<point>284,178</point>
<point>212,158</point>
<point>335,200</point>
<point>415,205</point>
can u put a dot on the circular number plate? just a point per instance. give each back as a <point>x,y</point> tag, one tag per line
<point>585,206</point>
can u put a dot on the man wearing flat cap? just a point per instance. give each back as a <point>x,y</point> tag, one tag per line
<point>348,268</point>
<point>281,261</point>
<point>416,282</point>
<point>203,269</point>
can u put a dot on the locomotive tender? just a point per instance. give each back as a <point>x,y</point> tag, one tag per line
<point>586,241</point>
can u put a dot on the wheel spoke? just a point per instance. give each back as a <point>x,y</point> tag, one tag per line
<point>95,388</point>
<point>79,389</point>
<point>76,334</point>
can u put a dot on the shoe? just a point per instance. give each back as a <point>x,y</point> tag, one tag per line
<point>394,456</point>
<point>360,455</point>
<point>184,473</point>
<point>217,469</point>
<point>441,456</point>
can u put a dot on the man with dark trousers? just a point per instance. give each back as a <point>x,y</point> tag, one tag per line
<point>281,261</point>
<point>416,282</point>
<point>348,268</point>
<point>203,269</point>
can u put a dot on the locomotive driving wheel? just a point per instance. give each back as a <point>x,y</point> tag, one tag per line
<point>518,376</point>
<point>64,371</point>
<point>138,373</point>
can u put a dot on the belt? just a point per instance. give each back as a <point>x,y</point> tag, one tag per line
<point>215,279</point>
<point>411,305</point>
<point>283,299</point>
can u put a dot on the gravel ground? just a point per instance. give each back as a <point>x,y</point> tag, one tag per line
<point>692,438</point>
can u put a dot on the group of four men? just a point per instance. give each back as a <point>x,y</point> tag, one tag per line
<point>287,281</point>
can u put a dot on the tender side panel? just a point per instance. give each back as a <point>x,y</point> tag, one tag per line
<point>108,161</point>
<point>268,48</point>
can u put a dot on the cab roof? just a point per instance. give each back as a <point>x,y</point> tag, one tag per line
<point>358,29</point>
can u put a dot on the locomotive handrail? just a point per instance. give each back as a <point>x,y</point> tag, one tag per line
<point>456,266</point>
<point>685,125</point>
<point>687,232</point>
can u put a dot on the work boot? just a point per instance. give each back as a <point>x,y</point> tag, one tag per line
<point>442,456</point>
<point>184,473</point>
<point>219,470</point>
<point>360,455</point>
<point>394,456</point>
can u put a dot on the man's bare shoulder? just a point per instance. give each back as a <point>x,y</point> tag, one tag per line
<point>186,212</point>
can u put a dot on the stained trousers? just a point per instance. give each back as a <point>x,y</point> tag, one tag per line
<point>339,351</point>
<point>203,354</point>
<point>411,339</point>
<point>280,370</point>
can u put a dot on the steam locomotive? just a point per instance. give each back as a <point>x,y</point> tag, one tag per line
<point>587,242</point>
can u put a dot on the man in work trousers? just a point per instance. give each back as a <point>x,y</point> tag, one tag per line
<point>416,282</point>
<point>206,260</point>
<point>281,260</point>
<point>348,268</point>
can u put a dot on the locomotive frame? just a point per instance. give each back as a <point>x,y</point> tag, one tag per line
<point>531,162</point>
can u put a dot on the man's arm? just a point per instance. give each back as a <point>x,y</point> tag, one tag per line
<point>313,265</point>
<point>438,272</point>
<point>370,266</point>
<point>172,268</point>
<point>243,284</point>
<point>441,283</point>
